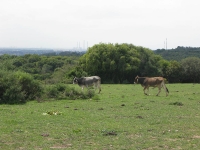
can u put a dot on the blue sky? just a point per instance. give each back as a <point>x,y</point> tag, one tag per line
<point>70,23</point>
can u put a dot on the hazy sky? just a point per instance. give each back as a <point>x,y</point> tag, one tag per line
<point>70,23</point>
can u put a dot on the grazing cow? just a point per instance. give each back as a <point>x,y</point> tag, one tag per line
<point>147,82</point>
<point>88,81</point>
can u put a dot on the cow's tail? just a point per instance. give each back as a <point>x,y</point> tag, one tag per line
<point>166,89</point>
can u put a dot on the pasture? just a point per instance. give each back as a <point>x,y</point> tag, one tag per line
<point>120,117</point>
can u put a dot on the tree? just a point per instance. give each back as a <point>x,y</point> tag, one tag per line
<point>174,72</point>
<point>18,87</point>
<point>191,69</point>
<point>163,65</point>
<point>150,63</point>
<point>120,63</point>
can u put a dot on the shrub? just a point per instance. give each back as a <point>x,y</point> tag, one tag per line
<point>52,91</point>
<point>18,87</point>
<point>71,93</point>
<point>63,91</point>
<point>30,87</point>
<point>11,91</point>
<point>61,87</point>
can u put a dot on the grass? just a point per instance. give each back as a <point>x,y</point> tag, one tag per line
<point>120,117</point>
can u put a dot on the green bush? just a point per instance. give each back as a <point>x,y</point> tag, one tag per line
<point>61,87</point>
<point>56,91</point>
<point>52,91</point>
<point>30,87</point>
<point>11,90</point>
<point>18,87</point>
<point>63,91</point>
<point>71,93</point>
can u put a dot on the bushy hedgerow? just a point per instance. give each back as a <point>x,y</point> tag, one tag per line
<point>18,87</point>
<point>31,87</point>
<point>64,91</point>
<point>71,93</point>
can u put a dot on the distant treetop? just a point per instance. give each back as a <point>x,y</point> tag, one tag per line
<point>179,53</point>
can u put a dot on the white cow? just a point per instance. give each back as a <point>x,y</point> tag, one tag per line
<point>88,81</point>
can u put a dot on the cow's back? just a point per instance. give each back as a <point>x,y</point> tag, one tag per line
<point>96,77</point>
<point>91,80</point>
<point>153,81</point>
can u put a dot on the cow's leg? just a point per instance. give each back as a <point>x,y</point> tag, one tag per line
<point>144,90</point>
<point>159,90</point>
<point>148,89</point>
<point>165,88</point>
<point>95,86</point>
<point>99,87</point>
<point>167,91</point>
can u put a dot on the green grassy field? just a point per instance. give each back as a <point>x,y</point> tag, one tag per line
<point>121,117</point>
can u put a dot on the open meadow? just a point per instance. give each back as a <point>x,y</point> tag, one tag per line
<point>121,117</point>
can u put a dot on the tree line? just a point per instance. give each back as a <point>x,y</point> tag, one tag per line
<point>120,63</point>
<point>114,63</point>
<point>30,76</point>
<point>179,53</point>
<point>37,77</point>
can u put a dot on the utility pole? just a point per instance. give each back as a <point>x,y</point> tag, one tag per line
<point>87,45</point>
<point>164,44</point>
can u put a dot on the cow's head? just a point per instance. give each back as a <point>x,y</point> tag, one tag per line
<point>75,80</point>
<point>136,79</point>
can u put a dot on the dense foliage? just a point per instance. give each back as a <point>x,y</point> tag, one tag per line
<point>35,77</point>
<point>27,77</point>
<point>50,69</point>
<point>120,63</point>
<point>179,53</point>
<point>18,87</point>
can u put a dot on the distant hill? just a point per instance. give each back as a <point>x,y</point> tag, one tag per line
<point>179,53</point>
<point>41,51</point>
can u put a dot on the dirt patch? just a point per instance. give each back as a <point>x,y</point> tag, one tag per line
<point>196,136</point>
<point>61,146</point>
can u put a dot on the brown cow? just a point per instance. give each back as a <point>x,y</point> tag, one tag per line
<point>147,82</point>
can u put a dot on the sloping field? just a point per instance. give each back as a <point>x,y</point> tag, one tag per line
<point>121,117</point>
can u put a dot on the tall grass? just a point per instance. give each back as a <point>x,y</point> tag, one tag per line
<point>120,117</point>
